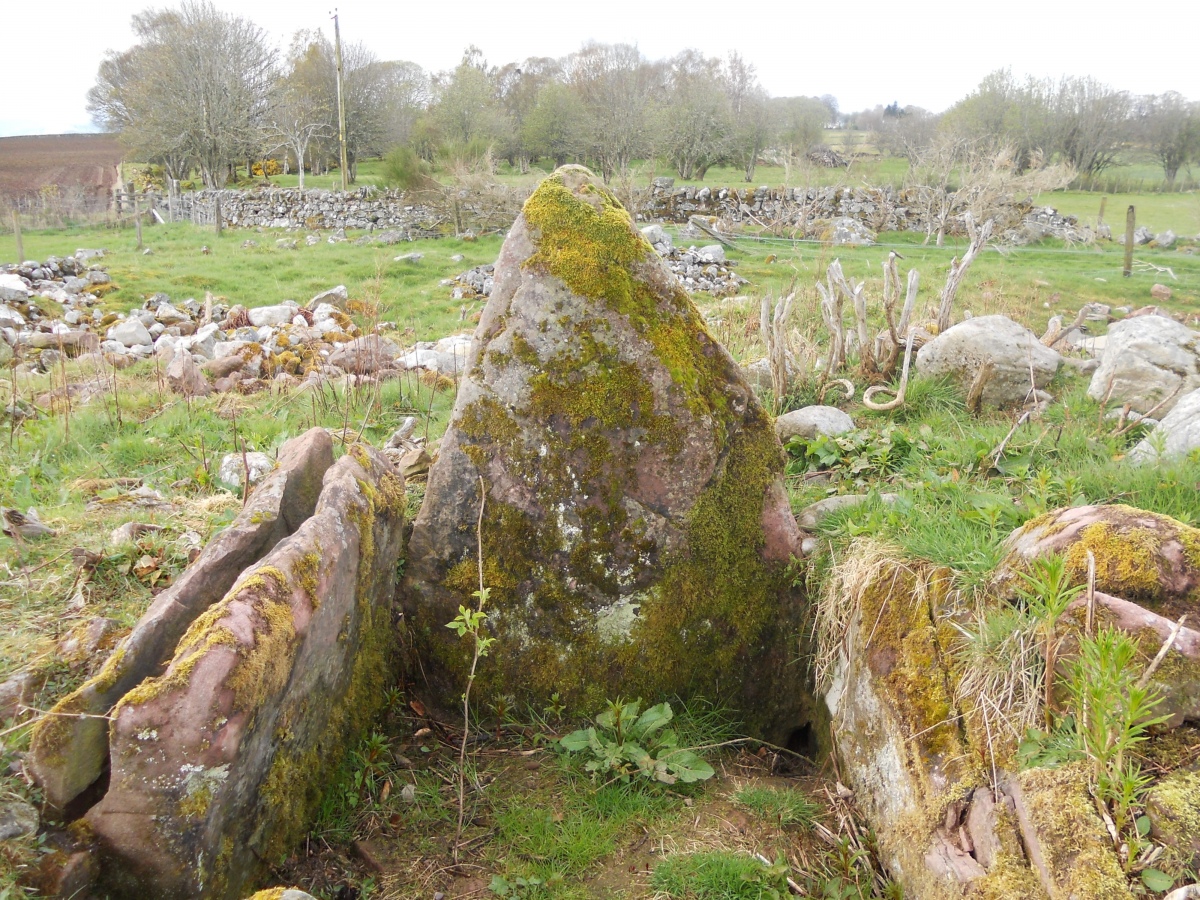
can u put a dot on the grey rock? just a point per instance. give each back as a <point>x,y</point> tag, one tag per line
<point>848,231</point>
<point>409,257</point>
<point>130,333</point>
<point>811,421</point>
<point>335,296</point>
<point>810,517</point>
<point>234,467</point>
<point>185,377</point>
<point>1146,360</point>
<point>1177,435</point>
<point>264,316</point>
<point>169,315</point>
<point>17,819</point>
<point>1142,235</point>
<point>1012,350</point>
<point>84,255</point>
<point>1165,239</point>
<point>365,355</point>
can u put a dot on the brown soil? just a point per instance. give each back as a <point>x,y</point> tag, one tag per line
<point>30,163</point>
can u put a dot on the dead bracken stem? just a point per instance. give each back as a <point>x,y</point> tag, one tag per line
<point>479,651</point>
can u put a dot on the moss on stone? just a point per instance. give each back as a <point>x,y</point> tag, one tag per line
<point>304,767</point>
<point>1174,808</point>
<point>587,241</point>
<point>51,734</point>
<point>901,622</point>
<point>1077,850</point>
<point>1126,559</point>
<point>306,571</point>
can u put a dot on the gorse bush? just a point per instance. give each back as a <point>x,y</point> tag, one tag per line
<point>404,169</point>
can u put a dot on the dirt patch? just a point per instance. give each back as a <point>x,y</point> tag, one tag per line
<point>33,165</point>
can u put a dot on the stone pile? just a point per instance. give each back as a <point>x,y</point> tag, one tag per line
<point>702,270</point>
<point>205,347</point>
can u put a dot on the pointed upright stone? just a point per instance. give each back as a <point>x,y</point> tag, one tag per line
<point>636,533</point>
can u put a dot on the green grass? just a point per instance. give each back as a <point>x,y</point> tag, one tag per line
<point>712,875</point>
<point>1179,212</point>
<point>955,507</point>
<point>407,293</point>
<point>781,807</point>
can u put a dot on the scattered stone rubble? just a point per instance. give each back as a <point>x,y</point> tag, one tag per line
<point>205,347</point>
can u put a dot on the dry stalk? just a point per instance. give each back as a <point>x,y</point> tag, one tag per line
<point>775,335</point>
<point>958,269</point>
<point>898,400</point>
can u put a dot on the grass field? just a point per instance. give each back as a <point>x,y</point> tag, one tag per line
<point>541,826</point>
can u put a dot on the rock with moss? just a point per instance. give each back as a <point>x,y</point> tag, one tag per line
<point>636,535</point>
<point>69,748</point>
<point>1065,840</point>
<point>1144,557</point>
<point>887,681</point>
<point>1173,806</point>
<point>219,764</point>
<point>1175,681</point>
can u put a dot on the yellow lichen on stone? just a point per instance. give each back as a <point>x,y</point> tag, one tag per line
<point>1126,559</point>
<point>275,893</point>
<point>263,669</point>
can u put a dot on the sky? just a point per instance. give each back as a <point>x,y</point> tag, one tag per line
<point>867,52</point>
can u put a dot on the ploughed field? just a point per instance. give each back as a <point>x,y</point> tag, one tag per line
<point>31,163</point>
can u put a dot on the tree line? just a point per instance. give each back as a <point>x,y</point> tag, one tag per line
<point>204,91</point>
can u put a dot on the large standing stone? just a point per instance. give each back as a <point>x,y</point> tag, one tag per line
<point>1013,352</point>
<point>636,532</point>
<point>219,765</point>
<point>1177,435</point>
<point>69,748</point>
<point>1147,359</point>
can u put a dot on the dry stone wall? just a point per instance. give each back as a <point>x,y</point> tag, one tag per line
<point>810,212</point>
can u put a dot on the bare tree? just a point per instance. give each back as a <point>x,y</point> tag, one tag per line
<point>197,87</point>
<point>619,91</point>
<point>695,121</point>
<point>1170,126</point>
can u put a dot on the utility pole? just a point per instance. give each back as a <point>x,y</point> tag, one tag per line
<point>341,99</point>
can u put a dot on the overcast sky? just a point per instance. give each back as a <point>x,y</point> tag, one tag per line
<point>864,53</point>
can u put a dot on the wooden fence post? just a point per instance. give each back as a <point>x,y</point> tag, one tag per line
<point>17,232</point>
<point>137,220</point>
<point>1130,220</point>
<point>217,212</point>
<point>1100,217</point>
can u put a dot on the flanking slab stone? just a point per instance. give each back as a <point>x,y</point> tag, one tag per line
<point>636,534</point>
<point>219,765</point>
<point>70,747</point>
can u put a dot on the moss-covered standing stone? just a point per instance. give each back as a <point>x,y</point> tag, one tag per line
<point>636,536</point>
